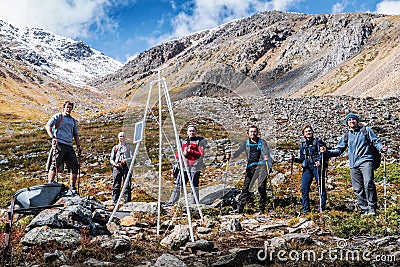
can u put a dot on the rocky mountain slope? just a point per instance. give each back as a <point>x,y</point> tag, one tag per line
<point>39,69</point>
<point>285,54</point>
<point>273,54</point>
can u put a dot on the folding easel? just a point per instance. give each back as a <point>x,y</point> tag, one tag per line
<point>138,139</point>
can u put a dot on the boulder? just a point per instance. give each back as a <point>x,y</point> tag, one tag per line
<point>169,260</point>
<point>177,238</point>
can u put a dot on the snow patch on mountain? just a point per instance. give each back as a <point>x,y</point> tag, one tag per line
<point>71,61</point>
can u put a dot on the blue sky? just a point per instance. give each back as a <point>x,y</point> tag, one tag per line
<point>122,29</point>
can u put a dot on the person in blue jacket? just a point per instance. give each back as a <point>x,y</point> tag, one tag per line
<point>258,155</point>
<point>359,140</point>
<point>313,163</point>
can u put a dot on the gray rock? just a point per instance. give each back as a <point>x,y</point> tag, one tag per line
<point>300,238</point>
<point>147,207</point>
<point>101,216</point>
<point>169,260</point>
<point>97,263</point>
<point>55,258</point>
<point>237,257</point>
<point>203,245</point>
<point>209,221</point>
<point>117,244</point>
<point>203,230</point>
<point>43,235</point>
<point>278,179</point>
<point>46,217</point>
<point>177,238</point>
<point>211,193</point>
<point>277,243</point>
<point>380,242</point>
<point>234,225</point>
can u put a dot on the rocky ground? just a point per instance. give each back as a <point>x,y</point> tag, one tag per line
<point>79,235</point>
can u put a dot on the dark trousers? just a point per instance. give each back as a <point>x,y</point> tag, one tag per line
<point>118,176</point>
<point>195,176</point>
<point>254,172</point>
<point>65,154</point>
<point>309,173</point>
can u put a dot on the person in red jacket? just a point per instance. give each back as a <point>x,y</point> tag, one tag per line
<point>193,153</point>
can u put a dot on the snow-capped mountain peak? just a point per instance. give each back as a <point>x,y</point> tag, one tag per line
<point>71,61</point>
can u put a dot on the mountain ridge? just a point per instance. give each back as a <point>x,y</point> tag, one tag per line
<point>279,54</point>
<point>285,54</point>
<point>40,70</point>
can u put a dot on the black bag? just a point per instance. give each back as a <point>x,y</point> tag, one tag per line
<point>375,152</point>
<point>175,171</point>
<point>377,157</point>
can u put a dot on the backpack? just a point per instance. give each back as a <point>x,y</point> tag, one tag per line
<point>55,127</point>
<point>308,157</point>
<point>115,149</point>
<point>375,152</point>
<point>259,146</point>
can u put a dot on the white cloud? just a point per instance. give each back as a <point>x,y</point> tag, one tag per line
<point>388,7</point>
<point>208,14</point>
<point>339,6</point>
<point>72,18</point>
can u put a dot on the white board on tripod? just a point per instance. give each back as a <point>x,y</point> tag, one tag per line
<point>138,137</point>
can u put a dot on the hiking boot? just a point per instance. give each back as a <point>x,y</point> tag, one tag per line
<point>371,212</point>
<point>259,213</point>
<point>73,191</point>
<point>236,211</point>
<point>167,204</point>
<point>368,212</point>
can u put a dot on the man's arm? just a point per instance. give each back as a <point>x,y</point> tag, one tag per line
<point>112,157</point>
<point>49,131</point>
<point>339,149</point>
<point>78,144</point>
<point>374,139</point>
<point>50,124</point>
<point>301,157</point>
<point>242,147</point>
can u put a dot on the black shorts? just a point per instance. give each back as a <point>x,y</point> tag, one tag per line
<point>66,154</point>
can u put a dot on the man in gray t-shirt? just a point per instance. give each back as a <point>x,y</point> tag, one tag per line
<point>62,128</point>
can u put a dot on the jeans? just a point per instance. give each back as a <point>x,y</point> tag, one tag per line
<point>309,173</point>
<point>259,172</point>
<point>362,179</point>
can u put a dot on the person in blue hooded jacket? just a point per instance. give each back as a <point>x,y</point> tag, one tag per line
<point>314,165</point>
<point>358,140</point>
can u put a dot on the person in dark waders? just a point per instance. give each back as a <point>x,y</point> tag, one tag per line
<point>258,155</point>
<point>314,165</point>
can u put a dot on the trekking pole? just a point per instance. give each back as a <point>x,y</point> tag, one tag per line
<point>291,187</point>
<point>79,174</point>
<point>10,214</point>
<point>320,182</point>
<point>384,182</point>
<point>270,185</point>
<point>54,143</point>
<point>223,190</point>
